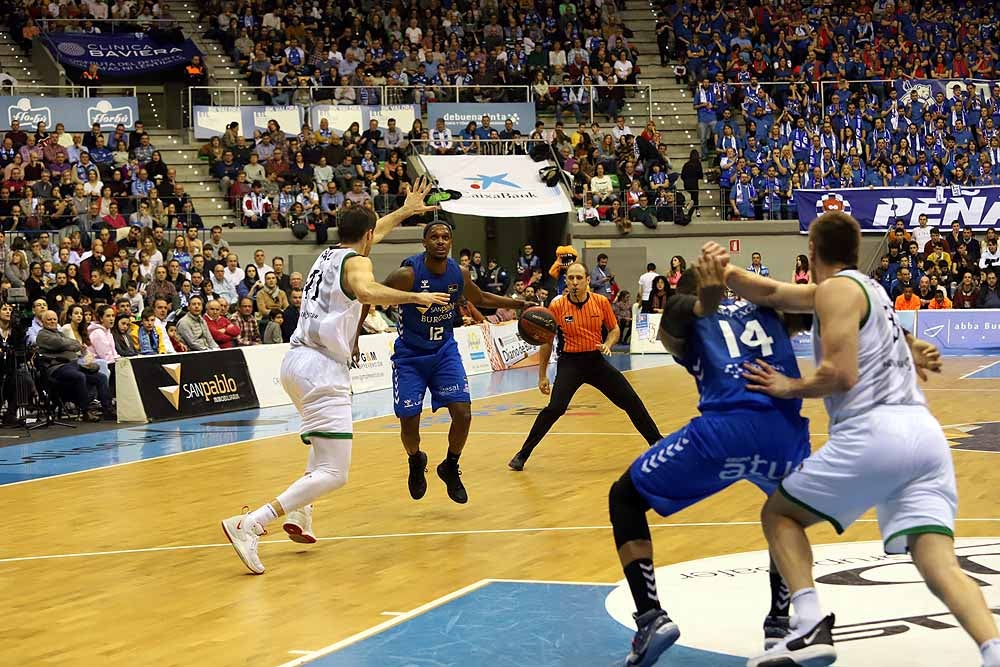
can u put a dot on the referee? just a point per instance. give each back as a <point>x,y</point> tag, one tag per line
<point>581,316</point>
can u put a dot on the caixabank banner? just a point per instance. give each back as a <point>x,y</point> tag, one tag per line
<point>188,385</point>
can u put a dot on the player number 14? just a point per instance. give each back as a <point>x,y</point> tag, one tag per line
<point>436,333</point>
<point>753,336</point>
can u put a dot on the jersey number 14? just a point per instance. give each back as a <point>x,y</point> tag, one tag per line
<point>753,336</point>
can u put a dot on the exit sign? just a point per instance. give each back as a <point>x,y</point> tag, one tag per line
<point>734,245</point>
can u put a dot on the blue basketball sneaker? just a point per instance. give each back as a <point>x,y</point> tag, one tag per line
<point>655,635</point>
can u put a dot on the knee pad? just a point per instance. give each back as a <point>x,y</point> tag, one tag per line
<point>628,512</point>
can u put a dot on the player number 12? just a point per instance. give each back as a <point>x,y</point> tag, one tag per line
<point>753,336</point>
<point>436,333</point>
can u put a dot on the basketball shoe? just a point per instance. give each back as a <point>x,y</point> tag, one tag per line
<point>775,629</point>
<point>812,648</point>
<point>244,537</point>
<point>656,633</point>
<point>417,482</point>
<point>298,524</point>
<point>452,477</point>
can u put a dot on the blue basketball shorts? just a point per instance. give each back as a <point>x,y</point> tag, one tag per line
<point>717,449</point>
<point>415,371</point>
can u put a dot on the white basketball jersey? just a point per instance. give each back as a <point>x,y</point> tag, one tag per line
<point>886,374</point>
<point>328,318</point>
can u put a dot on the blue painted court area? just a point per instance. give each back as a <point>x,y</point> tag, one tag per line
<point>512,624</point>
<point>990,372</point>
<point>87,451</point>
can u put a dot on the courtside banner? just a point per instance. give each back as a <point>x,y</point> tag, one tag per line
<point>211,121</point>
<point>374,370</point>
<point>473,343</point>
<point>496,186</point>
<point>508,349</point>
<point>457,116</point>
<point>264,364</point>
<point>78,114</point>
<point>961,331</point>
<point>340,117</point>
<point>172,386</point>
<point>645,329</point>
<point>876,209</point>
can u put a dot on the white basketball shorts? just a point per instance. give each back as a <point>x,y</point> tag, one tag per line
<point>892,458</point>
<point>320,388</point>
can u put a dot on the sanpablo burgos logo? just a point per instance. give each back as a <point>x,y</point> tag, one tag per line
<point>885,614</point>
<point>109,116</point>
<point>27,115</point>
<point>219,389</point>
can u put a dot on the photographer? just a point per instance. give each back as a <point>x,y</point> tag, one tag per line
<point>602,281</point>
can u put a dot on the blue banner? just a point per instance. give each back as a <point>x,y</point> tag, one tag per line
<point>78,114</point>
<point>457,116</point>
<point>120,54</point>
<point>877,208</point>
<point>961,331</point>
<point>212,121</point>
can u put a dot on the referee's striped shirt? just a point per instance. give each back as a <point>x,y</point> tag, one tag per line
<point>581,325</point>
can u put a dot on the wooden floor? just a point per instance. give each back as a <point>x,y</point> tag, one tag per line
<point>178,595</point>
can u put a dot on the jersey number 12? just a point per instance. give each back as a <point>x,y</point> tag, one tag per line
<point>435,333</point>
<point>753,336</point>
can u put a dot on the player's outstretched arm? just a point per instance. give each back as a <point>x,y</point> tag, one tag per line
<point>682,309</point>
<point>477,297</point>
<point>412,205</point>
<point>926,356</point>
<point>840,306</point>
<point>361,281</point>
<point>760,290</point>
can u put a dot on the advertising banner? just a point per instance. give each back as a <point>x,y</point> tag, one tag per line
<point>192,384</point>
<point>78,114</point>
<point>374,370</point>
<point>456,116</point>
<point>508,349</point>
<point>340,117</point>
<point>473,344</point>
<point>926,89</point>
<point>645,328</point>
<point>264,364</point>
<point>211,121</point>
<point>961,331</point>
<point>119,55</point>
<point>496,186</point>
<point>876,209</point>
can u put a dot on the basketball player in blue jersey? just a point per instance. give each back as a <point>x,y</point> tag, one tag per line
<point>426,355</point>
<point>740,434</point>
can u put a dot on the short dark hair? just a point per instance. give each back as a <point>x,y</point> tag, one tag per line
<point>355,223</point>
<point>601,256</point>
<point>836,238</point>
<point>688,282</point>
<point>651,267</point>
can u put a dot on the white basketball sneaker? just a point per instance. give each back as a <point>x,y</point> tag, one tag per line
<point>244,538</point>
<point>298,524</point>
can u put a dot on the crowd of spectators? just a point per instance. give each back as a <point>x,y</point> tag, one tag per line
<point>930,268</point>
<point>61,181</point>
<point>830,96</point>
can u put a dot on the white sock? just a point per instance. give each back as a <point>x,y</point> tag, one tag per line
<point>806,604</point>
<point>991,653</point>
<point>263,515</point>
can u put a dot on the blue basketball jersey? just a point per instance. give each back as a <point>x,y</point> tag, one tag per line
<point>427,329</point>
<point>718,347</point>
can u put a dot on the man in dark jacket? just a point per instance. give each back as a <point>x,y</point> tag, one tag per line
<point>59,356</point>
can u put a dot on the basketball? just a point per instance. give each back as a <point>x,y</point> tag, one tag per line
<point>537,325</point>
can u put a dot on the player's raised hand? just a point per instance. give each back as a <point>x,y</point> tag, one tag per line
<point>713,249</point>
<point>428,299</point>
<point>926,357</point>
<point>414,202</point>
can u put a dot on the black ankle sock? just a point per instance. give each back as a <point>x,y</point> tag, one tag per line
<point>642,582</point>
<point>780,596</point>
<point>452,459</point>
<point>414,457</point>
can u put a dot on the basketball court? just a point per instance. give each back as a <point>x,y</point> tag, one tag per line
<point>112,553</point>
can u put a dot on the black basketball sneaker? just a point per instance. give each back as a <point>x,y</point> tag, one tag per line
<point>775,629</point>
<point>451,475</point>
<point>417,482</point>
<point>813,648</point>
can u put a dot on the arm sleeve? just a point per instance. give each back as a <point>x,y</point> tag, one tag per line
<point>608,313</point>
<point>678,316</point>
